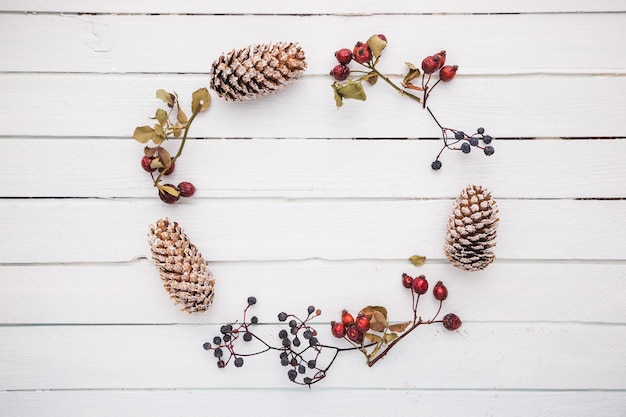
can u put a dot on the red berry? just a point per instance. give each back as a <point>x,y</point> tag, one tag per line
<point>407,281</point>
<point>442,58</point>
<point>186,189</point>
<point>169,170</point>
<point>362,53</point>
<point>340,72</point>
<point>145,163</point>
<point>362,323</point>
<point>383,37</point>
<point>337,329</point>
<point>440,291</point>
<point>451,321</point>
<point>448,72</point>
<point>346,318</point>
<point>420,285</point>
<point>354,334</point>
<point>430,64</point>
<point>344,56</point>
<point>167,197</point>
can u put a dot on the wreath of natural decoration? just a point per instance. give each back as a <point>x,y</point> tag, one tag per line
<point>264,69</point>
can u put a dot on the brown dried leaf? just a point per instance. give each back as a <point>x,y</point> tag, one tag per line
<point>161,117</point>
<point>378,322</point>
<point>158,135</point>
<point>399,327</point>
<point>200,100</point>
<point>169,190</point>
<point>374,338</point>
<point>164,156</point>
<point>167,98</point>
<point>148,151</point>
<point>143,134</point>
<point>177,131</point>
<point>376,45</point>
<point>181,116</point>
<point>369,311</point>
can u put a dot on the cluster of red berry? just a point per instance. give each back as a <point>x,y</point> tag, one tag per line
<point>349,327</point>
<point>361,53</point>
<point>419,285</point>
<point>430,65</point>
<point>157,158</point>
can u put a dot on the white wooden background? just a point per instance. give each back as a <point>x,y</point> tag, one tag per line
<point>292,209</point>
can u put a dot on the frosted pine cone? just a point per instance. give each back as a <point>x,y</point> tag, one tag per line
<point>184,272</point>
<point>257,70</point>
<point>472,229</point>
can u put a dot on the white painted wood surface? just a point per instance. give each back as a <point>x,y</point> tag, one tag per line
<point>299,203</point>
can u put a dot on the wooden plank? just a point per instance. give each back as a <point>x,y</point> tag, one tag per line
<point>477,356</point>
<point>136,44</point>
<point>318,7</point>
<point>263,403</point>
<point>574,106</point>
<point>88,230</point>
<point>317,168</point>
<point>132,292</point>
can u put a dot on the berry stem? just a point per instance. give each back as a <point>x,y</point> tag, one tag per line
<point>391,83</point>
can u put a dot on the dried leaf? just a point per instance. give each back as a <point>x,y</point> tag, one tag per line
<point>378,322</point>
<point>399,327</point>
<point>169,190</point>
<point>167,98</point>
<point>352,90</point>
<point>177,131</point>
<point>369,311</point>
<point>161,117</point>
<point>413,73</point>
<point>374,338</point>
<point>159,134</point>
<point>370,77</point>
<point>181,116</point>
<point>143,134</point>
<point>200,100</point>
<point>390,337</point>
<point>148,151</point>
<point>417,260</point>
<point>375,350</point>
<point>164,156</point>
<point>376,45</point>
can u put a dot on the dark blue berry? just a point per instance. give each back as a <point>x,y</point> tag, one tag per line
<point>292,323</point>
<point>293,362</point>
<point>254,320</point>
<point>312,363</point>
<point>307,334</point>
<point>473,141</point>
<point>217,340</point>
<point>284,361</point>
<point>284,355</point>
<point>459,135</point>
<point>247,337</point>
<point>239,362</point>
<point>206,346</point>
<point>480,130</point>
<point>283,334</point>
<point>221,364</point>
<point>465,147</point>
<point>292,374</point>
<point>282,316</point>
<point>489,150</point>
<point>301,369</point>
<point>226,338</point>
<point>310,310</point>
<point>296,342</point>
<point>436,165</point>
<point>293,331</point>
<point>218,353</point>
<point>286,342</point>
<point>313,341</point>
<point>307,380</point>
<point>226,328</point>
<point>487,139</point>
<point>251,301</point>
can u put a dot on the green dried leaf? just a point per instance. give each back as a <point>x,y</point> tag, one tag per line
<point>158,135</point>
<point>177,131</point>
<point>181,116</point>
<point>374,338</point>
<point>417,260</point>
<point>200,100</point>
<point>390,337</point>
<point>413,73</point>
<point>169,190</point>
<point>375,350</point>
<point>337,96</point>
<point>370,77</point>
<point>376,45</point>
<point>161,117</point>
<point>351,90</point>
<point>143,134</point>
<point>399,327</point>
<point>167,98</point>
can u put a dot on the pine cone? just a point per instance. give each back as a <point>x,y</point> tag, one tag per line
<point>184,272</point>
<point>257,70</point>
<point>472,229</point>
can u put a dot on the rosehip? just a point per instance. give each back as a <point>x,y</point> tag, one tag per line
<point>430,64</point>
<point>169,170</point>
<point>407,281</point>
<point>145,163</point>
<point>382,37</point>
<point>442,58</point>
<point>340,72</point>
<point>337,329</point>
<point>420,285</point>
<point>362,323</point>
<point>344,56</point>
<point>451,321</point>
<point>186,189</point>
<point>362,53</point>
<point>167,197</point>
<point>440,291</point>
<point>354,334</point>
<point>346,318</point>
<point>448,72</point>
